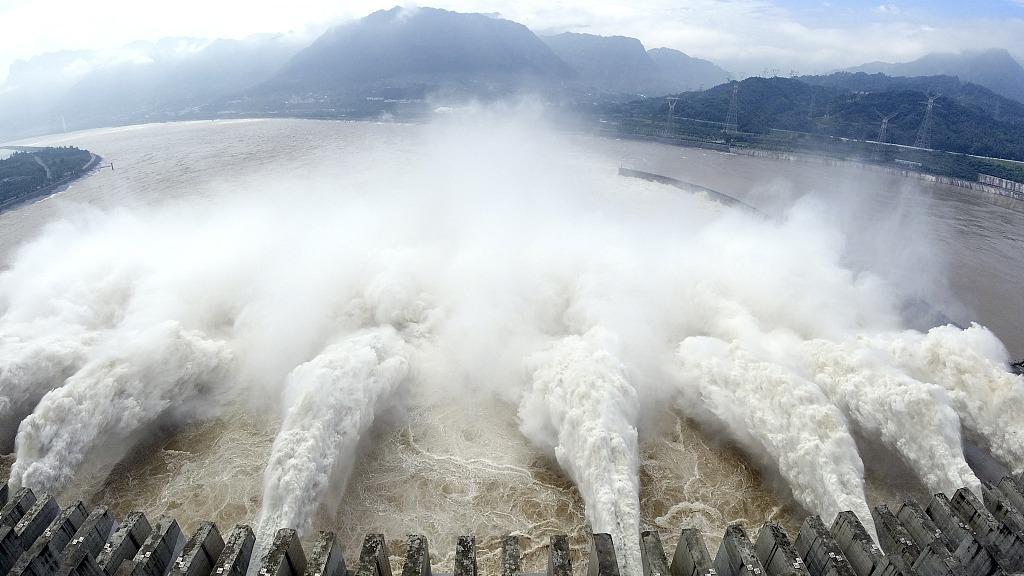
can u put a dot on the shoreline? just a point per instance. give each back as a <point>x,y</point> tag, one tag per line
<point>825,160</point>
<point>53,187</point>
<point>982,185</point>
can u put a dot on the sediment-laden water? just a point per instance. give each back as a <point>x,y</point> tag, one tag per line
<point>477,327</point>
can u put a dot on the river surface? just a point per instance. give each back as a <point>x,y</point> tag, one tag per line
<point>436,469</point>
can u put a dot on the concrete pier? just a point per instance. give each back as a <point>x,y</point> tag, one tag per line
<point>989,531</point>
<point>975,557</point>
<point>325,559</point>
<point>1013,490</point>
<point>42,558</point>
<point>602,557</point>
<point>417,556</point>
<point>36,519</point>
<point>373,557</point>
<point>777,554</point>
<point>285,556</point>
<point>736,555</point>
<point>864,555</point>
<point>962,536</point>
<point>15,508</point>
<point>652,553</point>
<point>936,556</point>
<point>124,543</point>
<point>1000,507</point>
<point>511,557</point>
<point>894,539</point>
<point>157,552</point>
<point>691,557</point>
<point>234,559</point>
<point>820,551</point>
<point>79,557</point>
<point>200,552</point>
<point>465,556</point>
<point>559,563</point>
<point>920,527</point>
<point>10,548</point>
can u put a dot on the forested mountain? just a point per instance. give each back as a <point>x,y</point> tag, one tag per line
<point>165,85</point>
<point>146,81</point>
<point>684,72</point>
<point>966,93</point>
<point>621,65</point>
<point>994,69</point>
<point>421,57</point>
<point>413,51</point>
<point>764,104</point>
<point>614,64</point>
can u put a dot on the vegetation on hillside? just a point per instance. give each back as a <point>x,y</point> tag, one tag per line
<point>27,172</point>
<point>824,115</point>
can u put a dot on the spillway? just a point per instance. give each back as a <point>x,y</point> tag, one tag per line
<point>956,535</point>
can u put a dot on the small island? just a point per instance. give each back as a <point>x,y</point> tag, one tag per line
<point>32,172</point>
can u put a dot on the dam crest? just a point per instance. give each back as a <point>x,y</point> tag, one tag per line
<point>961,535</point>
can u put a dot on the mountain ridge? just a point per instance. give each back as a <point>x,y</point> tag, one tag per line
<point>996,69</point>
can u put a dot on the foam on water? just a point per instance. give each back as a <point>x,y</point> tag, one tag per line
<point>497,322</point>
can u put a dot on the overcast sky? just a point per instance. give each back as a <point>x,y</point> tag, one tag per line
<point>744,36</point>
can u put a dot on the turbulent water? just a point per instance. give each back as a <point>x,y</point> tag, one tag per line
<point>477,326</point>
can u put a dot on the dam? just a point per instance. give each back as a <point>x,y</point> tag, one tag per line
<point>330,327</point>
<point>962,535</point>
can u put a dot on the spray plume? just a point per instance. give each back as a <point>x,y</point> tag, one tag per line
<point>970,365</point>
<point>778,416</point>
<point>30,368</point>
<point>332,401</point>
<point>911,417</point>
<point>582,407</point>
<point>133,382</point>
<point>619,296</point>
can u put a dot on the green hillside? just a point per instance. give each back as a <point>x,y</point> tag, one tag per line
<point>825,114</point>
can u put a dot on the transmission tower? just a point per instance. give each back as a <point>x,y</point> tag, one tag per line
<point>885,125</point>
<point>672,101</point>
<point>732,118</point>
<point>924,134</point>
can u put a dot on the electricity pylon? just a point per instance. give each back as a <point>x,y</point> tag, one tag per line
<point>732,118</point>
<point>883,130</point>
<point>924,134</point>
<point>672,101</point>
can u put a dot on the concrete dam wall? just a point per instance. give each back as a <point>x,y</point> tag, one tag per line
<point>962,535</point>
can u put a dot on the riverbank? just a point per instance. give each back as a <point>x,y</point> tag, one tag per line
<point>1010,190</point>
<point>14,194</point>
<point>986,183</point>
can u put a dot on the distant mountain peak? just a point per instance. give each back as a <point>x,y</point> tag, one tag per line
<point>420,45</point>
<point>993,68</point>
<point>691,73</point>
<point>620,64</point>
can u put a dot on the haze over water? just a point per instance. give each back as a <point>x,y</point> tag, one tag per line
<point>445,462</point>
